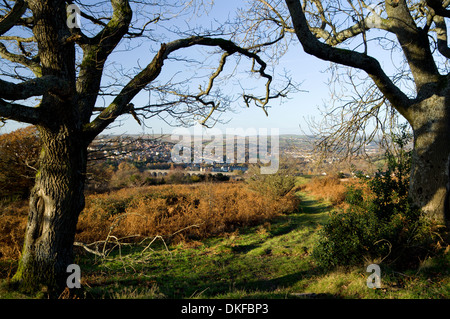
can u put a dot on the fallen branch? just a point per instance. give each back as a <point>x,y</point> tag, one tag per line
<point>118,242</point>
<point>151,242</point>
<point>183,229</point>
<point>95,252</point>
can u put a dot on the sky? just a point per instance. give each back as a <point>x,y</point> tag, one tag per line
<point>290,117</point>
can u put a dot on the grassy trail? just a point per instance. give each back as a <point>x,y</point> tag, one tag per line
<point>270,260</point>
<point>265,261</point>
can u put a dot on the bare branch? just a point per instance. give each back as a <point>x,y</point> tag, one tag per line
<point>34,66</point>
<point>34,87</point>
<point>96,51</point>
<point>116,28</point>
<point>350,122</point>
<point>16,38</point>
<point>441,33</point>
<point>9,20</point>
<point>439,7</point>
<point>360,27</point>
<point>415,44</point>
<point>121,103</point>
<point>350,58</point>
<point>18,112</point>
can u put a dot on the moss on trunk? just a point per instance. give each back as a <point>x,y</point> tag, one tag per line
<point>55,204</point>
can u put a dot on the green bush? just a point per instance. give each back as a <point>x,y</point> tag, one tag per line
<point>358,235</point>
<point>276,185</point>
<point>346,239</point>
<point>381,225</point>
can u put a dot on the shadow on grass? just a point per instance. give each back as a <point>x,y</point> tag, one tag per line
<point>200,286</point>
<point>310,213</point>
<point>243,249</point>
<point>229,271</point>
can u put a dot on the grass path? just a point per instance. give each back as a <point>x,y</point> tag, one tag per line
<point>272,260</point>
<point>265,261</point>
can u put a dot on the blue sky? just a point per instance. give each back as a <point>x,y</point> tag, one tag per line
<point>289,117</point>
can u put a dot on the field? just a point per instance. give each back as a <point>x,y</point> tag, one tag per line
<point>216,240</point>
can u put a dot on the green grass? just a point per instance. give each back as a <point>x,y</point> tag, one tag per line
<point>272,260</point>
<point>261,261</point>
<point>267,261</point>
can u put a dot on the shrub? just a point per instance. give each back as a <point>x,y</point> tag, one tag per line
<point>354,196</point>
<point>358,235</point>
<point>19,153</point>
<point>126,175</point>
<point>275,185</point>
<point>190,211</point>
<point>109,205</point>
<point>382,224</point>
<point>329,188</point>
<point>12,229</point>
<point>13,220</point>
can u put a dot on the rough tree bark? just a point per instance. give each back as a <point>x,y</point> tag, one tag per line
<point>55,203</point>
<point>57,197</point>
<point>430,180</point>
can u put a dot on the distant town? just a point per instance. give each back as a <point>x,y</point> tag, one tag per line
<point>155,152</point>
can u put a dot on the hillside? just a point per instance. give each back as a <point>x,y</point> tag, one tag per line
<point>269,257</point>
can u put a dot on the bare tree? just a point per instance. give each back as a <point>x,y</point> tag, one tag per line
<point>395,54</point>
<point>62,74</point>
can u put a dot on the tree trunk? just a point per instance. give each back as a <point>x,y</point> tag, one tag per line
<point>430,180</point>
<point>55,204</point>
